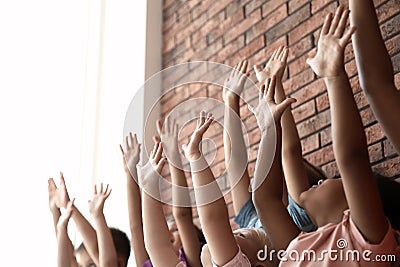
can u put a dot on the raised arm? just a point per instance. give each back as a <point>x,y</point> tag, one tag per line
<point>131,156</point>
<point>181,209</point>
<point>268,196</point>
<point>156,232</point>
<point>375,68</point>
<point>107,252</point>
<point>65,256</point>
<point>88,233</point>
<point>349,142</point>
<point>234,145</point>
<point>213,216</point>
<point>292,160</point>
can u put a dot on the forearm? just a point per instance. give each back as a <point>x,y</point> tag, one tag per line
<point>156,232</point>
<point>135,220</point>
<point>65,248</point>
<point>181,209</point>
<point>88,234</point>
<point>348,135</point>
<point>56,216</point>
<point>107,251</point>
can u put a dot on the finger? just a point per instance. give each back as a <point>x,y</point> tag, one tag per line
<point>284,55</point>
<point>257,68</point>
<point>159,127</point>
<point>271,89</point>
<point>285,104</point>
<point>51,184</point>
<point>239,66</point>
<point>62,180</point>
<point>327,24</point>
<point>342,24</point>
<point>127,142</point>
<point>122,150</point>
<point>243,69</point>
<point>184,147</point>
<point>155,148</point>
<point>95,190</point>
<point>106,189</point>
<point>261,92</point>
<point>176,127</point>
<point>336,19</point>
<point>158,154</point>
<point>108,192</point>
<point>346,37</point>
<point>278,52</point>
<point>233,71</point>
<point>202,117</point>
<point>101,188</point>
<point>156,139</point>
<point>273,55</point>
<point>161,164</point>
<point>135,140</point>
<point>131,139</point>
<point>206,125</point>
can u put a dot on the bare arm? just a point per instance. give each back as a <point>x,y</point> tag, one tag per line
<point>292,160</point>
<point>349,142</point>
<point>268,184</point>
<point>65,256</point>
<point>88,233</point>
<point>213,216</point>
<point>181,209</point>
<point>131,156</point>
<point>156,232</point>
<point>107,252</point>
<point>375,68</point>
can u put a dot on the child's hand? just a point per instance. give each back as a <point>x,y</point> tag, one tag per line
<point>150,172</point>
<point>234,84</point>
<point>275,66</point>
<point>96,204</point>
<point>328,62</point>
<point>192,150</point>
<point>266,101</point>
<point>52,189</point>
<point>61,196</point>
<point>64,218</point>
<point>131,156</point>
<point>169,139</point>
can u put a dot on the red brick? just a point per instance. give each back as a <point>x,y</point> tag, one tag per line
<point>390,27</point>
<point>387,10</point>
<point>251,6</point>
<point>331,170</point>
<point>311,24</point>
<point>374,133</point>
<point>375,152</point>
<point>326,136</point>
<point>217,7</point>
<point>270,6</point>
<point>304,111</point>
<point>241,27</point>
<point>361,99</point>
<point>351,68</point>
<point>321,157</point>
<point>223,27</point>
<point>295,5</point>
<point>392,45</point>
<point>295,82</point>
<point>298,49</point>
<point>388,168</point>
<point>388,149</point>
<point>314,124</point>
<point>316,5</point>
<point>397,80</point>
<point>229,50</point>
<point>322,102</point>
<point>309,91</point>
<point>367,116</point>
<point>300,64</point>
<point>207,27</point>
<point>310,143</point>
<point>266,23</point>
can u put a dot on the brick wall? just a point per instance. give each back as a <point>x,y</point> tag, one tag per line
<point>226,31</point>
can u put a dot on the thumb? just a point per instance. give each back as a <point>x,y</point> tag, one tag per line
<point>285,104</point>
<point>184,146</point>
<point>257,68</point>
<point>251,108</point>
<point>309,61</point>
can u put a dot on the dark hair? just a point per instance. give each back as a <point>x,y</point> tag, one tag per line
<point>200,234</point>
<point>121,243</point>
<point>389,191</point>
<point>314,173</point>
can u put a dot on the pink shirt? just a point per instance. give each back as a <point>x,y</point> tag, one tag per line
<point>180,264</point>
<point>240,260</point>
<point>342,245</point>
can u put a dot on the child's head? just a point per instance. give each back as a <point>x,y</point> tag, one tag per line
<point>314,173</point>
<point>122,246</point>
<point>175,238</point>
<point>250,241</point>
<point>82,257</point>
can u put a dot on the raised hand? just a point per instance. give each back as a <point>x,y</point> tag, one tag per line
<point>169,138</point>
<point>275,66</point>
<point>234,84</point>
<point>64,218</point>
<point>151,171</point>
<point>328,62</point>
<point>266,101</point>
<point>96,204</point>
<point>52,189</point>
<point>131,154</point>
<point>192,149</point>
<point>60,195</point>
